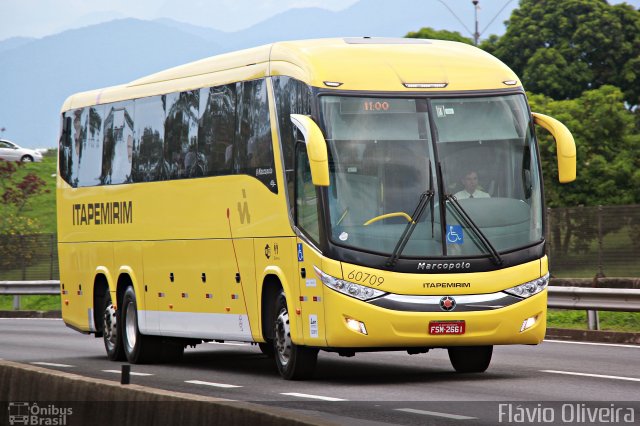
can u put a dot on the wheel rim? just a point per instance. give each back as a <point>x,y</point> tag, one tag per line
<point>110,327</point>
<point>130,325</point>
<point>283,337</point>
<point>27,160</point>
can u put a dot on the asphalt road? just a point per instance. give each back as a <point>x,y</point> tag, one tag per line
<point>370,388</point>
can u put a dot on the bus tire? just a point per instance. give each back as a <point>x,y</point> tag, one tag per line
<point>294,362</point>
<point>137,347</point>
<point>111,330</point>
<point>470,359</point>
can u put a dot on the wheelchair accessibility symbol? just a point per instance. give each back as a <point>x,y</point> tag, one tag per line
<point>454,234</point>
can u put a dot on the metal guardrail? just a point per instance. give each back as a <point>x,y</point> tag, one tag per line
<point>26,288</point>
<point>598,299</point>
<point>579,298</point>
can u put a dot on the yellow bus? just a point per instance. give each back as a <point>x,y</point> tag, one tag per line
<point>345,195</point>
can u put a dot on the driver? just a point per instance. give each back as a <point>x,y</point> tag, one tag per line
<point>470,182</point>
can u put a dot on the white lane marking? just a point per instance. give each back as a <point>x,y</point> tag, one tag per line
<point>216,385</point>
<point>133,373</point>
<point>598,376</point>
<point>33,319</point>
<point>304,395</point>
<point>435,413</point>
<point>618,345</point>
<point>50,364</point>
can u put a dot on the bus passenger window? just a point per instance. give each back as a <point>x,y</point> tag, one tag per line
<point>216,129</point>
<point>117,149</point>
<point>90,150</point>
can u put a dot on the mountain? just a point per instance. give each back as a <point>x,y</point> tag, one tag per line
<point>208,34</point>
<point>40,75</point>
<point>380,18</point>
<point>14,42</point>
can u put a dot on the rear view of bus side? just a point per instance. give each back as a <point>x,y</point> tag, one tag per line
<point>344,195</point>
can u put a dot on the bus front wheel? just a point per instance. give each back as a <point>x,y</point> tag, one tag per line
<point>470,359</point>
<point>294,362</point>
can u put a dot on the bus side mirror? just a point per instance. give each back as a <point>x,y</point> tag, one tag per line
<point>316,148</point>
<point>565,146</point>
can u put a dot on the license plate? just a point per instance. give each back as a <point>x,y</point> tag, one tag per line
<point>446,327</point>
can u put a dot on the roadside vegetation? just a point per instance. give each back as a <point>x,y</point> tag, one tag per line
<point>28,204</point>
<point>610,321</point>
<point>31,303</point>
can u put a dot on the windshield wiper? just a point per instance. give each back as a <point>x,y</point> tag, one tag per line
<point>425,197</point>
<point>464,217</point>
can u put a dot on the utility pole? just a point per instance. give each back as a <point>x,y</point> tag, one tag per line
<point>476,34</point>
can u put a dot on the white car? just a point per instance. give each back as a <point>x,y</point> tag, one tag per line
<point>9,151</point>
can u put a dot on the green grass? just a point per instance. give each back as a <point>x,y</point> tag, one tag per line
<point>31,303</point>
<point>611,321</point>
<point>42,207</point>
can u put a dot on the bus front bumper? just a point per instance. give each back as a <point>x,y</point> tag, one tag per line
<point>348,319</point>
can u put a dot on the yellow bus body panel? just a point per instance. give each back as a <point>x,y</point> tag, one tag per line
<point>383,67</point>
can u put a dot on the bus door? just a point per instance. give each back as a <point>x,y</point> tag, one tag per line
<point>306,218</point>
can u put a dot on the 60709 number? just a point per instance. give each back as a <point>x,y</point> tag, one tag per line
<point>365,277</point>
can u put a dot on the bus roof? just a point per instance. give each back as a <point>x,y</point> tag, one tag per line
<point>369,64</point>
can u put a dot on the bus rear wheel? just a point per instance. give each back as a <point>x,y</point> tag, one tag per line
<point>111,330</point>
<point>138,348</point>
<point>294,362</point>
<point>470,359</point>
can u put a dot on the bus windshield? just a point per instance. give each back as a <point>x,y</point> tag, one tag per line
<point>478,153</point>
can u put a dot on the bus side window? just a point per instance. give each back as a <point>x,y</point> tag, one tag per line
<point>306,198</point>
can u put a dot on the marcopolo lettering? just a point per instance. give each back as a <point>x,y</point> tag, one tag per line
<point>424,266</point>
<point>109,213</point>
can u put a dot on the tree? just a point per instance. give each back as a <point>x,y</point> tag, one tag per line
<point>430,33</point>
<point>607,145</point>
<point>561,49</point>
<point>608,168</point>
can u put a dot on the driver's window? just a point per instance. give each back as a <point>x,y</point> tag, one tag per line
<point>306,198</point>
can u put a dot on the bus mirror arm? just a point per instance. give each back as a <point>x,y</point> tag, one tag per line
<point>565,146</point>
<point>316,148</point>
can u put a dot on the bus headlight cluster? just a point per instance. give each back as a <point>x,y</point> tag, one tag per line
<point>530,288</point>
<point>347,287</point>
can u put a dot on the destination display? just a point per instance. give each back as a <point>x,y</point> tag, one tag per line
<point>376,105</point>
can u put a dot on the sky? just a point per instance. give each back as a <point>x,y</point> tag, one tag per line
<point>39,18</point>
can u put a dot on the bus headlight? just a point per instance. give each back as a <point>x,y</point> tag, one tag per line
<point>530,288</point>
<point>346,287</point>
